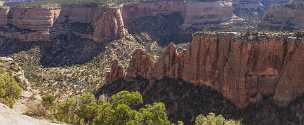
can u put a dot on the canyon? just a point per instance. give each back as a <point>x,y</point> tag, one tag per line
<point>167,50</point>
<point>244,68</point>
<point>165,21</point>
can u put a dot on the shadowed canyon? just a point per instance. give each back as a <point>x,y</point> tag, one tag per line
<point>243,59</point>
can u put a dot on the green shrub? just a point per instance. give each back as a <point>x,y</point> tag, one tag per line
<point>212,119</point>
<point>10,90</point>
<point>48,100</point>
<point>86,110</point>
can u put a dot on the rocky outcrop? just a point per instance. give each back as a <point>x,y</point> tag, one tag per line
<point>109,25</point>
<point>33,19</point>
<point>243,69</point>
<point>92,22</point>
<point>116,72</point>
<point>42,24</point>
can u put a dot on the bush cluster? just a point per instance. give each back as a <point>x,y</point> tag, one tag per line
<point>123,108</point>
<point>212,119</point>
<point>10,89</point>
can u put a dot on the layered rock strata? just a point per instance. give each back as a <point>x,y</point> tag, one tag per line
<point>92,22</point>
<point>243,69</point>
<point>28,24</point>
<point>41,24</point>
<point>160,18</point>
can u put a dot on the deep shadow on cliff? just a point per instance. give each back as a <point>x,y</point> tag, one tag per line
<point>164,28</point>
<point>69,50</point>
<point>185,101</point>
<point>63,51</point>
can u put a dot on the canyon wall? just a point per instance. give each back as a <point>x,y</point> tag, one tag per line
<point>41,24</point>
<point>245,69</point>
<point>28,24</point>
<point>92,22</point>
<point>162,19</point>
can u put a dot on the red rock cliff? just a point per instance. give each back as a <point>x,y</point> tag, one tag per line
<point>38,24</point>
<point>106,22</point>
<point>243,69</point>
<point>36,21</point>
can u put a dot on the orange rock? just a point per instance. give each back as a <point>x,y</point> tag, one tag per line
<point>241,68</point>
<point>109,25</point>
<point>140,65</point>
<point>116,72</point>
<point>36,19</point>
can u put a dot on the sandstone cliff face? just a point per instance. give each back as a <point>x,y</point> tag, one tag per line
<point>170,20</point>
<point>91,22</point>
<point>109,25</point>
<point>35,19</point>
<point>28,24</point>
<point>41,24</point>
<point>116,72</point>
<point>243,69</point>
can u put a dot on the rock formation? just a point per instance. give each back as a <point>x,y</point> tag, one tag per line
<point>28,24</point>
<point>92,22</point>
<point>116,72</point>
<point>243,68</point>
<point>41,24</point>
<point>162,19</point>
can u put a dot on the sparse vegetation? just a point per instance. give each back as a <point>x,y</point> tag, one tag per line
<point>213,119</point>
<point>10,89</point>
<point>118,110</point>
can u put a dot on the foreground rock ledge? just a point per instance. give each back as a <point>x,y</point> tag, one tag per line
<point>243,67</point>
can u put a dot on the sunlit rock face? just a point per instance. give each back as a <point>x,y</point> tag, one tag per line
<point>245,69</point>
<point>92,22</point>
<point>42,24</point>
<point>28,24</point>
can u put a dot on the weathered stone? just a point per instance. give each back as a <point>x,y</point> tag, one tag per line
<point>241,68</point>
<point>116,72</point>
<point>140,64</point>
<point>109,25</point>
<point>36,19</point>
